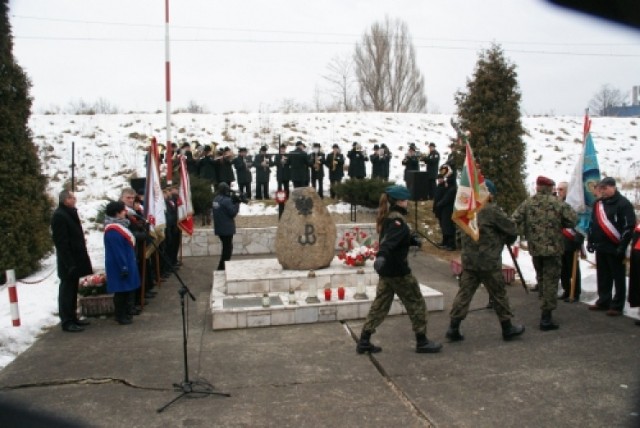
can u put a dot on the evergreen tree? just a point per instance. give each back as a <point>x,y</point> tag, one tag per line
<point>26,209</point>
<point>489,111</point>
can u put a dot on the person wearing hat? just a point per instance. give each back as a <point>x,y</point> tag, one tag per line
<point>262,162</point>
<point>207,166</point>
<point>357,162</point>
<point>299,164</point>
<point>225,210</point>
<point>541,219</point>
<point>225,167</point>
<point>386,161</point>
<point>444,207</point>
<point>120,260</point>
<point>395,274</point>
<point>242,165</point>
<point>612,223</point>
<point>377,162</point>
<point>283,169</point>
<point>411,162</point>
<point>335,164</point>
<point>482,264</point>
<point>317,159</point>
<point>432,160</point>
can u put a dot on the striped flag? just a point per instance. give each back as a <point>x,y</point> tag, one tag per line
<point>154,206</point>
<point>470,197</point>
<point>581,192</point>
<point>185,206</point>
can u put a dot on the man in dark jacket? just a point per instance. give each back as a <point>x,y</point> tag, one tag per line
<point>386,161</point>
<point>357,159</point>
<point>335,165</point>
<point>612,223</point>
<point>262,163</point>
<point>225,210</point>
<point>317,160</point>
<point>573,241</point>
<point>283,169</point>
<point>432,160</point>
<point>377,162</point>
<point>445,208</point>
<point>207,167</point>
<point>72,257</point>
<point>299,163</point>
<point>243,164</point>
<point>411,161</point>
<point>225,167</point>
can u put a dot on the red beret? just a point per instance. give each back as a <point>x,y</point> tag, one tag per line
<point>544,181</point>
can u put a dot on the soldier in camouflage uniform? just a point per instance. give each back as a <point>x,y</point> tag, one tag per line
<point>395,275</point>
<point>482,263</point>
<point>541,218</point>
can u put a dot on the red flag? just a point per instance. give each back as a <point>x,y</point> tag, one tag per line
<point>470,197</point>
<point>185,206</point>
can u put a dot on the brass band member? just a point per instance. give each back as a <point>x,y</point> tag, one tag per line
<point>335,165</point>
<point>318,160</point>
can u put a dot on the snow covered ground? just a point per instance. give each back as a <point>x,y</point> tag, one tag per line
<point>109,149</point>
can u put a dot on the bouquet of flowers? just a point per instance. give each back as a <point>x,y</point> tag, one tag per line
<point>92,285</point>
<point>356,247</point>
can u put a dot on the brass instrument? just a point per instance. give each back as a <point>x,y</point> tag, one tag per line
<point>316,163</point>
<point>334,163</point>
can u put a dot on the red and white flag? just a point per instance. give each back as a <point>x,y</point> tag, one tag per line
<point>185,206</point>
<point>154,206</point>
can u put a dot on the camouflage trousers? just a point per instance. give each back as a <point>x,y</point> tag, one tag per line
<point>494,283</point>
<point>408,290</point>
<point>548,269</point>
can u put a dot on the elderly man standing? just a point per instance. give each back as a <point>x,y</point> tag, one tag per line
<point>612,223</point>
<point>541,218</point>
<point>73,259</point>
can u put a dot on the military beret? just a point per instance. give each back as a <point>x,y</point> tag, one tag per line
<point>490,186</point>
<point>399,193</point>
<point>544,181</point>
<point>607,181</point>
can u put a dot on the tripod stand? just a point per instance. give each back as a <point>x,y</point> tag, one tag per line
<point>187,387</point>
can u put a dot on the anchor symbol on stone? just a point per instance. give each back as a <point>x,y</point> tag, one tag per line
<point>309,235</point>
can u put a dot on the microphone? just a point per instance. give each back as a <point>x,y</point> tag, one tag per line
<point>134,214</point>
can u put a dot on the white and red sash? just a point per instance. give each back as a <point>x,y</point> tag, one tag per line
<point>126,233</point>
<point>607,227</point>
<point>637,230</point>
<point>569,233</point>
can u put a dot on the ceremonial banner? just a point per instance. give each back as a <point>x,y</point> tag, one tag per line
<point>581,192</point>
<point>185,206</point>
<point>154,206</point>
<point>470,197</point>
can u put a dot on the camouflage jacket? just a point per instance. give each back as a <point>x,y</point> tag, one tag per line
<point>540,220</point>
<point>496,229</point>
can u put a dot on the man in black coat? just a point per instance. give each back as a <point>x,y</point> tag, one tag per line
<point>357,158</point>
<point>207,167</point>
<point>377,162</point>
<point>72,257</point>
<point>299,162</point>
<point>225,167</point>
<point>445,207</point>
<point>262,163</point>
<point>612,223</point>
<point>386,161</point>
<point>283,169</point>
<point>335,165</point>
<point>432,160</point>
<point>411,162</point>
<point>243,164</point>
<point>225,210</point>
<point>317,160</point>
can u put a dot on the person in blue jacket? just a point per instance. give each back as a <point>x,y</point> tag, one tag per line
<point>225,210</point>
<point>120,260</point>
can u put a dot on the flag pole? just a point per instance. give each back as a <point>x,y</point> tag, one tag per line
<point>517,266</point>
<point>167,77</point>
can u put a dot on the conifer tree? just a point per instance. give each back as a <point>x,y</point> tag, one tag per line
<point>489,111</point>
<point>26,208</point>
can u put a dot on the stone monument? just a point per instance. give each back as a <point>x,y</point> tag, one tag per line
<point>306,236</point>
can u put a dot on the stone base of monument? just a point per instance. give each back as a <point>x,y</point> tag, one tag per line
<point>237,297</point>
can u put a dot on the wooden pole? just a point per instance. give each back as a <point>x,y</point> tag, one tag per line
<point>574,268</point>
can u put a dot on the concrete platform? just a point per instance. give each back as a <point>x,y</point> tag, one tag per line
<point>236,296</point>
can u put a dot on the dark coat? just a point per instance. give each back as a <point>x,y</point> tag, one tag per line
<point>395,238</point>
<point>243,164</point>
<point>411,163</point>
<point>224,214</point>
<point>336,172</point>
<point>432,160</point>
<point>620,213</point>
<point>71,248</point>
<point>377,165</point>
<point>208,169</point>
<point>120,259</point>
<point>357,167</point>
<point>283,168</point>
<point>445,206</point>
<point>225,171</point>
<point>299,162</point>
<point>439,193</point>
<point>262,171</point>
<point>321,159</point>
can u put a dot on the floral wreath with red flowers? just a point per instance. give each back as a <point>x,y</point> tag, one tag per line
<point>356,247</point>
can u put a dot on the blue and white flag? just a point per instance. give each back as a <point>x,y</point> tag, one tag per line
<point>581,194</point>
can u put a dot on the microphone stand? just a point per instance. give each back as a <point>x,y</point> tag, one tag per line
<point>187,386</point>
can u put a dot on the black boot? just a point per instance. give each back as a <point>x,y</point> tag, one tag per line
<point>453,333</point>
<point>365,345</point>
<point>425,346</point>
<point>509,331</point>
<point>546,323</point>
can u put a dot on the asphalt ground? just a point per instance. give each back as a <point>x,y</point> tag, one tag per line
<point>584,374</point>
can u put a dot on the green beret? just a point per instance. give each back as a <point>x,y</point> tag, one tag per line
<point>399,193</point>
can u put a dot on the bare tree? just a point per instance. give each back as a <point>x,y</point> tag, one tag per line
<point>341,81</point>
<point>606,98</point>
<point>386,70</point>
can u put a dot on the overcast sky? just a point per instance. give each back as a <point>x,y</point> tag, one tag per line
<point>252,54</point>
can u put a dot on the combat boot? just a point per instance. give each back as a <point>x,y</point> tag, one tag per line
<point>546,323</point>
<point>453,333</point>
<point>425,346</point>
<point>509,331</point>
<point>365,345</point>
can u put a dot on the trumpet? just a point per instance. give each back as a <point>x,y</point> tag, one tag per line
<point>334,163</point>
<point>316,163</point>
<point>266,160</point>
